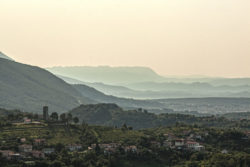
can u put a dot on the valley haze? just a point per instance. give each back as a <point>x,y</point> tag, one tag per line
<point>124,83</point>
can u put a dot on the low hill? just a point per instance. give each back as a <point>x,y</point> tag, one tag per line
<point>28,88</point>
<point>96,113</point>
<point>112,115</point>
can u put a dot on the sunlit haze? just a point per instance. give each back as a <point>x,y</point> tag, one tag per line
<point>173,37</point>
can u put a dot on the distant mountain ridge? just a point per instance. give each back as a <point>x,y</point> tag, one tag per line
<point>108,75</point>
<point>123,76</point>
<point>144,83</point>
<point>157,90</point>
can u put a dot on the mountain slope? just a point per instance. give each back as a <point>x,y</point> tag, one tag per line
<point>118,91</point>
<point>29,88</point>
<point>3,56</point>
<point>105,88</point>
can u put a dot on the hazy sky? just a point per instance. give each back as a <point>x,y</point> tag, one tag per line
<point>174,37</point>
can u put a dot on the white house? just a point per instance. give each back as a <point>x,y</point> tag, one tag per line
<point>48,150</point>
<point>192,144</point>
<point>224,151</point>
<point>199,148</point>
<point>74,147</point>
<point>179,142</point>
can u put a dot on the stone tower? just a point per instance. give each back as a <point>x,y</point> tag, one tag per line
<point>46,113</point>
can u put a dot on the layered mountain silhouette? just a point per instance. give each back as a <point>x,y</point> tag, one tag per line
<point>159,90</point>
<point>128,76</point>
<point>29,88</point>
<point>144,83</point>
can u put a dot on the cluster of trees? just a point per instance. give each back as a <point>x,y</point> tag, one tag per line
<point>68,118</point>
<point>16,115</point>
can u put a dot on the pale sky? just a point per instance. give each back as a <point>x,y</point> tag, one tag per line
<point>173,37</point>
